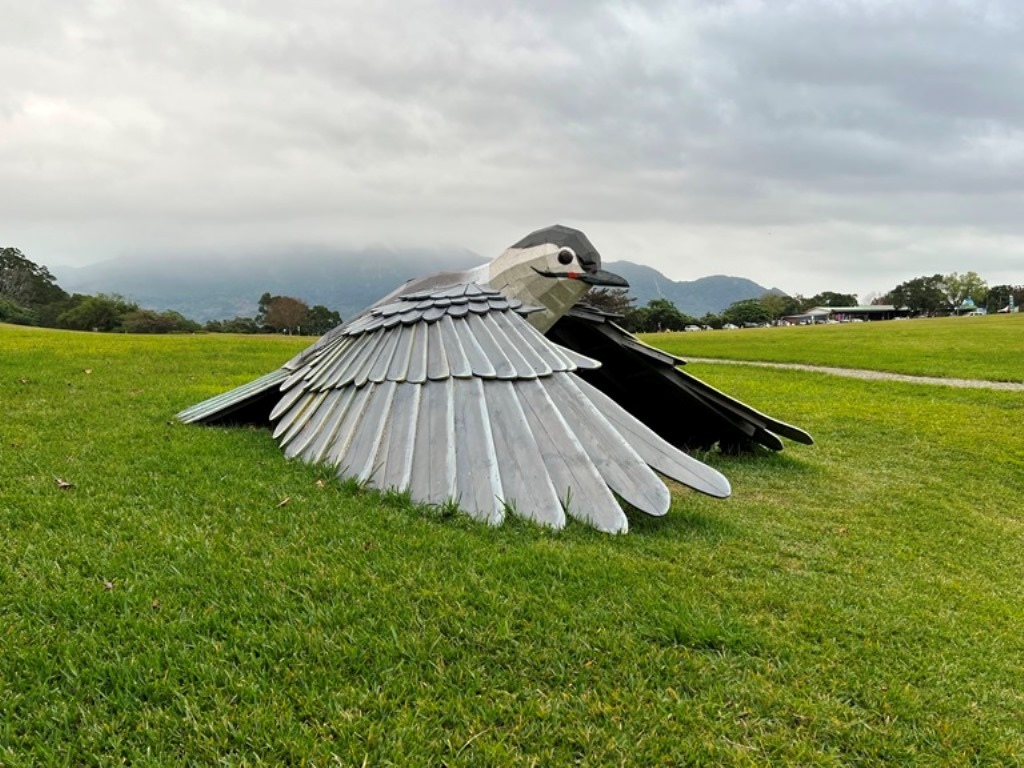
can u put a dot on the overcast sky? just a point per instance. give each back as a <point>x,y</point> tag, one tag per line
<point>818,145</point>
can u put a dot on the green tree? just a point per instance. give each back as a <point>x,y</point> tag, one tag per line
<point>320,320</point>
<point>922,295</point>
<point>998,297</point>
<point>103,312</point>
<point>658,315</point>
<point>748,311</point>
<point>26,283</point>
<point>779,305</point>
<point>234,325</point>
<point>614,301</point>
<point>151,321</point>
<point>16,314</point>
<point>711,320</point>
<point>957,288</point>
<point>831,299</point>
<point>285,314</point>
<point>263,306</point>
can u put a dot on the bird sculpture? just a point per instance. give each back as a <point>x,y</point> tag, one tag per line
<point>497,389</point>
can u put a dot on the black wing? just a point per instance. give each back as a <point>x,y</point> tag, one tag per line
<point>648,383</point>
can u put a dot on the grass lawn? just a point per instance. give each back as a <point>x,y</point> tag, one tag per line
<point>990,347</point>
<point>195,598</point>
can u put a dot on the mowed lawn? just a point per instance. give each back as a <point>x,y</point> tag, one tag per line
<point>990,347</point>
<point>195,598</point>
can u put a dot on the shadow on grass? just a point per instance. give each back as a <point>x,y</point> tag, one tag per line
<point>760,459</point>
<point>692,516</point>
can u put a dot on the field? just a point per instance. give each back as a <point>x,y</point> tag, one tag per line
<point>193,598</point>
<point>990,347</point>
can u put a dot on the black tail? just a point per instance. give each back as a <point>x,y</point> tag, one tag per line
<point>648,383</point>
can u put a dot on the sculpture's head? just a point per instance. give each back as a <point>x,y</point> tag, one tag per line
<point>551,268</point>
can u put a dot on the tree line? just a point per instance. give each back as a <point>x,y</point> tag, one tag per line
<point>923,296</point>
<point>30,295</point>
<point>663,315</point>
<point>945,294</point>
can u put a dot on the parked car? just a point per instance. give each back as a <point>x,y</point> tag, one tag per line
<point>692,328</point>
<point>729,327</point>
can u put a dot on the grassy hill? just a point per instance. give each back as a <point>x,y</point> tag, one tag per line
<point>195,598</point>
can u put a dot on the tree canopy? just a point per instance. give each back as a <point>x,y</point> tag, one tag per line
<point>25,283</point>
<point>658,315</point>
<point>615,301</point>
<point>746,312</point>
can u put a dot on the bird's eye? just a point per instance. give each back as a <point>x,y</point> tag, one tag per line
<point>566,255</point>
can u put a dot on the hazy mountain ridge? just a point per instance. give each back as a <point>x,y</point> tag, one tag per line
<point>213,288</point>
<point>693,297</point>
<point>206,287</point>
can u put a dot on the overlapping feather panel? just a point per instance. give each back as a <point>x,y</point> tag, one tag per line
<point>451,395</point>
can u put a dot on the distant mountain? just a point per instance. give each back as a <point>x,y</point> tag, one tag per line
<point>694,297</point>
<point>220,287</point>
<point>214,287</point>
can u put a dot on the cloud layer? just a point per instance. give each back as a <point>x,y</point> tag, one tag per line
<point>844,145</point>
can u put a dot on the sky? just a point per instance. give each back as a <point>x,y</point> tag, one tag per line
<point>842,145</point>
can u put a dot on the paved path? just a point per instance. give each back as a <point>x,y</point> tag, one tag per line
<point>858,373</point>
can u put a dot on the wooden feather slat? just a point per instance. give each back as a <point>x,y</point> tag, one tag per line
<point>573,474</point>
<point>379,370</point>
<point>295,377</point>
<point>357,374</point>
<point>434,314</point>
<point>550,353</point>
<point>525,482</point>
<point>510,346</point>
<point>304,425</point>
<point>360,455</point>
<point>568,360</point>
<point>477,357</point>
<point>315,450</point>
<point>433,466</point>
<point>335,374</point>
<point>621,467</point>
<point>458,363</point>
<point>218,406</point>
<point>478,481</point>
<point>295,417</point>
<point>399,368</point>
<point>658,453</point>
<point>395,453</point>
<point>336,453</point>
<point>503,368</point>
<point>437,360</point>
<point>417,372</point>
<point>284,405</point>
<point>322,364</point>
<point>526,345</point>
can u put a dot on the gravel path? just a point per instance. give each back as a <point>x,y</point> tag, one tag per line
<point>857,373</point>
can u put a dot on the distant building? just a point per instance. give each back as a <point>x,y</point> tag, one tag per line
<point>846,314</point>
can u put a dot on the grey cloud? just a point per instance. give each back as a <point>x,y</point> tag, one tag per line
<point>667,127</point>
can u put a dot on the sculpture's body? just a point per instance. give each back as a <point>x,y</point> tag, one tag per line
<point>449,389</point>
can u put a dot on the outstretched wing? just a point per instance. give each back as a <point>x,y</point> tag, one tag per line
<point>251,403</point>
<point>450,394</point>
<point>648,383</point>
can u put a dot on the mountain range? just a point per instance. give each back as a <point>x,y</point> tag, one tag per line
<point>213,287</point>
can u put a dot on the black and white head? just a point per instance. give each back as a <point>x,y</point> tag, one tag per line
<point>552,268</point>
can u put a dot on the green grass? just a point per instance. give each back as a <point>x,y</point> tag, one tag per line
<point>990,347</point>
<point>856,602</point>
